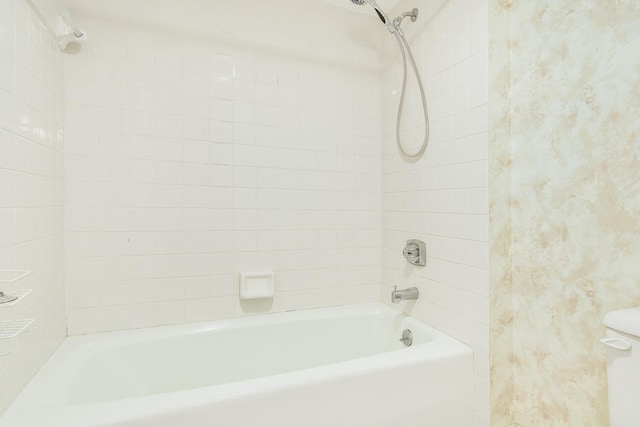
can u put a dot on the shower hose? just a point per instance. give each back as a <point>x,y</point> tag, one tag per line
<point>406,50</point>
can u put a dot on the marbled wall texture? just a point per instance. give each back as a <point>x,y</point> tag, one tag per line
<point>565,202</point>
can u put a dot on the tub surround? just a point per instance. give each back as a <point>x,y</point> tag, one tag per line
<point>565,158</point>
<point>195,151</point>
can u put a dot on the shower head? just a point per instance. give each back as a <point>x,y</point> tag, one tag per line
<point>383,16</point>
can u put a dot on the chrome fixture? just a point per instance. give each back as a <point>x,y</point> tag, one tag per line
<point>394,27</point>
<point>415,252</point>
<point>407,337</point>
<point>413,14</point>
<point>404,294</point>
<point>381,14</point>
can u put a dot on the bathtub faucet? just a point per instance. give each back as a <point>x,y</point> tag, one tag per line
<point>404,294</point>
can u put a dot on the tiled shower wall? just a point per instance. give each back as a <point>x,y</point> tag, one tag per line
<point>196,151</point>
<point>442,198</point>
<point>31,188</point>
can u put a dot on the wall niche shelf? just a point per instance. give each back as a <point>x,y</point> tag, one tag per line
<point>12,276</point>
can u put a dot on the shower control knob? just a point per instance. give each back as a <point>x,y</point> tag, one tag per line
<point>411,252</point>
<point>415,252</point>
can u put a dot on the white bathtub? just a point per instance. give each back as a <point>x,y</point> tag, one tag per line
<point>328,367</point>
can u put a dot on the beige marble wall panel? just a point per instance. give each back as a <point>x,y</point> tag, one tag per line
<point>501,311</point>
<point>574,202</point>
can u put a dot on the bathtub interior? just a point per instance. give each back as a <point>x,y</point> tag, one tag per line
<point>136,363</point>
<point>342,366</point>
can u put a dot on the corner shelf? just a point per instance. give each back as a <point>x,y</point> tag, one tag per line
<point>13,328</point>
<point>12,276</point>
<point>17,294</point>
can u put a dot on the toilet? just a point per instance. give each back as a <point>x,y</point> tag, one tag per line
<point>623,366</point>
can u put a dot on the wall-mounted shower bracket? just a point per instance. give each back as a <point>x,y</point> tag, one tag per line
<point>413,14</point>
<point>415,252</point>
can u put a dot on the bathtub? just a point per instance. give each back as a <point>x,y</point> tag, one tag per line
<point>340,366</point>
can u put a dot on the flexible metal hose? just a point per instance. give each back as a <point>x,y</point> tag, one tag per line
<point>402,42</point>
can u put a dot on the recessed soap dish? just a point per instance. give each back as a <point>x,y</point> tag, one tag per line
<point>257,285</point>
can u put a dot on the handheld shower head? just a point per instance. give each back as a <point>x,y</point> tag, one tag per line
<point>383,16</point>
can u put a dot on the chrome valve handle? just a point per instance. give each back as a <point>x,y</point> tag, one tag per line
<point>415,252</point>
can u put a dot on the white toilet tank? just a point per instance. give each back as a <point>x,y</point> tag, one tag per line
<point>623,366</point>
